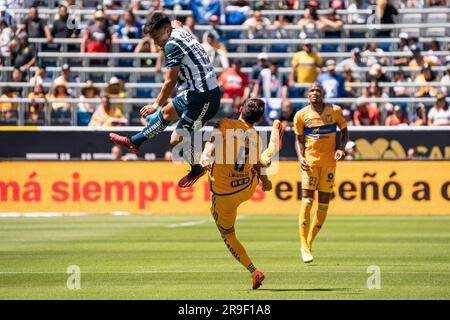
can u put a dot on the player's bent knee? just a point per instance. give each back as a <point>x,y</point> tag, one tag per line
<point>225,231</point>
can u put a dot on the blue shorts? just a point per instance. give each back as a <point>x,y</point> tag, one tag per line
<point>196,108</point>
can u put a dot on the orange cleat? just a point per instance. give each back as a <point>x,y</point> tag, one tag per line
<point>258,278</point>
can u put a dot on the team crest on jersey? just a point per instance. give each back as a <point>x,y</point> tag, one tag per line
<point>308,121</point>
<point>327,118</point>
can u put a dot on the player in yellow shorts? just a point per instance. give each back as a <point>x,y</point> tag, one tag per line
<point>315,131</point>
<point>235,173</point>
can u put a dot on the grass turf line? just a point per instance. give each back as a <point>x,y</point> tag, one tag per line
<point>145,257</point>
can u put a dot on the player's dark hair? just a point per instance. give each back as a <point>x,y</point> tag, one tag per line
<point>156,21</point>
<point>253,110</point>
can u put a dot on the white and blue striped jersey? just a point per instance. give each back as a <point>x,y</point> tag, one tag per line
<point>196,71</point>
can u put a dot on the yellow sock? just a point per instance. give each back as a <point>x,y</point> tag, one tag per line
<point>238,251</point>
<point>318,222</point>
<point>304,220</point>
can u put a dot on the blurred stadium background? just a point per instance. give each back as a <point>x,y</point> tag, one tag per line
<point>72,71</point>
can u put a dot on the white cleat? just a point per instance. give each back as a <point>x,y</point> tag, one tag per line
<point>306,256</point>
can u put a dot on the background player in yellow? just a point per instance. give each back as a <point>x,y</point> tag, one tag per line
<point>235,173</point>
<point>315,132</point>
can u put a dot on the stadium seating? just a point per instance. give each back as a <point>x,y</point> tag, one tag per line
<point>141,82</point>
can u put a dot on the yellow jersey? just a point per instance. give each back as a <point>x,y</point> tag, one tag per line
<point>237,150</point>
<point>319,131</point>
<point>307,66</point>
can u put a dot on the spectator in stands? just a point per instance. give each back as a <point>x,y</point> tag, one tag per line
<point>34,26</point>
<point>310,22</point>
<point>395,116</point>
<point>288,4</point>
<point>305,65</point>
<point>439,114</point>
<point>271,83</point>
<point>214,29</point>
<point>404,48</point>
<point>331,24</point>
<point>156,5</point>
<point>66,74</point>
<point>436,3</point>
<point>88,92</point>
<point>400,90</point>
<point>348,78</point>
<point>8,16</point>
<point>332,83</point>
<point>8,110</point>
<point>115,89</point>
<point>117,153</point>
<point>18,76</point>
<point>257,25</point>
<point>418,60</point>
<point>128,28</point>
<point>147,45</point>
<point>107,115</point>
<point>347,114</point>
<point>376,74</point>
<point>426,75</point>
<point>353,63</point>
<point>263,63</point>
<point>374,55</point>
<point>366,114</point>
<point>432,58</point>
<point>287,114</point>
<point>281,32</point>
<point>136,5</point>
<point>60,91</point>
<point>40,76</point>
<point>189,26</point>
<point>374,91</point>
<point>24,55</point>
<point>419,117</point>
<point>350,150</point>
<point>235,84</point>
<point>112,5</point>
<point>36,109</point>
<point>6,35</point>
<point>385,13</point>
<point>97,38</point>
<point>445,80</point>
<point>217,56</point>
<point>60,28</point>
<point>354,16</point>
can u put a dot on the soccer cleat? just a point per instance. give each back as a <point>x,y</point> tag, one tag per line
<point>275,143</point>
<point>188,181</point>
<point>258,278</point>
<point>306,255</point>
<point>124,141</point>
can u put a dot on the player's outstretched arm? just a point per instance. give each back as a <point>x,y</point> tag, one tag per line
<point>266,183</point>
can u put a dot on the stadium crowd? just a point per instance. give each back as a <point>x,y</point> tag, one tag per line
<point>266,79</point>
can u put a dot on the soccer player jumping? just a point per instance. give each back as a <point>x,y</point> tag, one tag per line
<point>315,131</point>
<point>187,64</point>
<point>234,178</point>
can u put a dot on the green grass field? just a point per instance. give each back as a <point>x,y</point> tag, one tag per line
<point>183,257</point>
